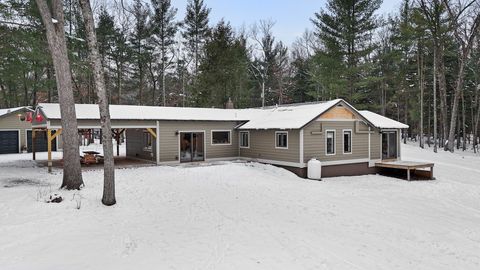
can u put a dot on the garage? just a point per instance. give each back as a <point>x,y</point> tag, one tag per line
<point>9,141</point>
<point>41,144</point>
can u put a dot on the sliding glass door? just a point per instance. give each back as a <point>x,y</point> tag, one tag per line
<point>389,145</point>
<point>192,147</point>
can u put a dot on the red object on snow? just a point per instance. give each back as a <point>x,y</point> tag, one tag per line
<point>39,117</point>
<point>29,116</point>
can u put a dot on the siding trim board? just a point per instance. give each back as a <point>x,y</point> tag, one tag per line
<point>158,143</point>
<point>275,162</point>
<point>301,146</point>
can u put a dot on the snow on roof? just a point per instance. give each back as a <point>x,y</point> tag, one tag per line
<point>11,110</point>
<point>277,117</point>
<point>288,117</point>
<point>131,112</point>
<point>380,121</point>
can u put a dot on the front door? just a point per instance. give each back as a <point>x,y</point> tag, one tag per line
<point>389,145</point>
<point>192,147</point>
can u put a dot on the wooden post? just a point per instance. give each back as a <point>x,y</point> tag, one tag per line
<point>49,146</point>
<point>33,144</point>
<point>117,137</point>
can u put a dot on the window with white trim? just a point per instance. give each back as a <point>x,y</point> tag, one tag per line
<point>330,143</point>
<point>244,139</point>
<point>220,137</point>
<point>347,141</point>
<point>281,139</point>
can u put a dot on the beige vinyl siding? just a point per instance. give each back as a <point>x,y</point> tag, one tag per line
<point>12,122</point>
<point>135,145</point>
<point>376,144</point>
<point>169,140</point>
<point>262,146</point>
<point>314,144</point>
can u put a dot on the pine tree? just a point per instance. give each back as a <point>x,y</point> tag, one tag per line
<point>196,30</point>
<point>345,30</point>
<point>224,69</point>
<point>164,29</point>
<point>141,49</point>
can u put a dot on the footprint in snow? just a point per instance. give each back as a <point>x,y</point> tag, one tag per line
<point>129,246</point>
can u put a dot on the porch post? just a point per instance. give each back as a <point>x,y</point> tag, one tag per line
<point>33,144</point>
<point>117,137</point>
<point>49,146</point>
<point>157,143</point>
<point>399,145</point>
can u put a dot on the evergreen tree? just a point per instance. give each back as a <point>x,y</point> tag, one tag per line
<point>345,30</point>
<point>164,29</point>
<point>224,69</point>
<point>196,30</point>
<point>141,49</point>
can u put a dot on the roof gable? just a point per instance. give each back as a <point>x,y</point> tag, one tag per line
<point>339,111</point>
<point>7,111</point>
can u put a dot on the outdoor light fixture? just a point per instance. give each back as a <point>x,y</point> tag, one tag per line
<point>21,117</point>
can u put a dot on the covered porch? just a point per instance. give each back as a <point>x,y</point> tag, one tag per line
<point>91,155</point>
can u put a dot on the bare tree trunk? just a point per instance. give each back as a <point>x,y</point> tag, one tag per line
<point>477,118</point>
<point>464,127</point>
<point>465,40</point>
<point>435,99</point>
<point>108,167</point>
<point>54,24</point>
<point>442,85</point>
<point>421,85</point>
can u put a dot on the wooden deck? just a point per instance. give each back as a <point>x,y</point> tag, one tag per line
<point>409,166</point>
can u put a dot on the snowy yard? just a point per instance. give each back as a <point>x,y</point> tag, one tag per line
<point>243,216</point>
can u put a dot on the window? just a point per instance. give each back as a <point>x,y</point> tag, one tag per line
<point>147,141</point>
<point>220,137</point>
<point>330,144</point>
<point>244,139</point>
<point>281,139</point>
<point>347,141</point>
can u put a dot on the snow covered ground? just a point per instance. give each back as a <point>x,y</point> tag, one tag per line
<point>242,216</point>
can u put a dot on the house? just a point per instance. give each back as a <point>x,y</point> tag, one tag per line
<point>345,140</point>
<point>16,135</point>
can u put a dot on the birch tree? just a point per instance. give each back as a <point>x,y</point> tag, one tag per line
<point>53,20</point>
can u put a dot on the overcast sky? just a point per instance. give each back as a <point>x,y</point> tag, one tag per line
<point>292,17</point>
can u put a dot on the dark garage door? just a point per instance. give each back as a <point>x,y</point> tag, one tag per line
<point>40,141</point>
<point>9,142</point>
